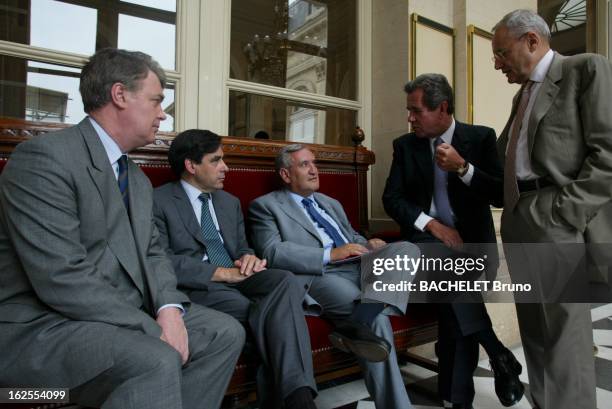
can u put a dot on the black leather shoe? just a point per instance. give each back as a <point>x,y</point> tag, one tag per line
<point>508,387</point>
<point>349,336</point>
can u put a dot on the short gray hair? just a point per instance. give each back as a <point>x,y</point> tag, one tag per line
<point>436,90</point>
<point>283,159</point>
<point>519,22</point>
<point>109,66</point>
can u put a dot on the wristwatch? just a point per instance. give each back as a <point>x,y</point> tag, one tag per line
<point>462,170</point>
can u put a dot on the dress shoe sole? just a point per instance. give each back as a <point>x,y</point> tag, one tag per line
<point>370,351</point>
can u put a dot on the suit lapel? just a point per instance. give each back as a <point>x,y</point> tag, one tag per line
<point>293,211</point>
<point>502,142</point>
<point>545,97</point>
<point>140,211</point>
<point>325,205</point>
<point>460,140</point>
<point>226,222</point>
<point>120,235</point>
<point>422,156</point>
<point>461,144</point>
<point>186,213</point>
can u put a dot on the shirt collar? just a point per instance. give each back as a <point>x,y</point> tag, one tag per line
<point>193,193</point>
<point>541,69</point>
<point>447,136</point>
<point>110,146</point>
<point>298,199</point>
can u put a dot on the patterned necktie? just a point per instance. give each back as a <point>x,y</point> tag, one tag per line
<point>331,231</point>
<point>511,192</point>
<point>217,254</point>
<point>440,193</point>
<point>122,180</point>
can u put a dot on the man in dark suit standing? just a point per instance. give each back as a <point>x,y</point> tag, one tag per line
<point>202,228</point>
<point>443,178</point>
<point>88,299</point>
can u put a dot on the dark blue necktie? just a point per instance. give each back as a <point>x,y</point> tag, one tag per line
<point>440,194</point>
<point>122,179</point>
<point>331,231</point>
<point>217,254</point>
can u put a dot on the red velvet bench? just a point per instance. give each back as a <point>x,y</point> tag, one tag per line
<point>343,175</point>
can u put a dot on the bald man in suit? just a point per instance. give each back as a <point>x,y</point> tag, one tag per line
<point>556,149</point>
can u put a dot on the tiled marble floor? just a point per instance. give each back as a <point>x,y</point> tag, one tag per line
<point>421,383</point>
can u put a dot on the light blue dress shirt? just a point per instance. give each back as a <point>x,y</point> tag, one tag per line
<point>328,242</point>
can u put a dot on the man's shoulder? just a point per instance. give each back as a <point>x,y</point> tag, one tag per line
<point>62,149</point>
<point>271,197</point>
<point>165,190</point>
<point>584,58</point>
<point>405,139</point>
<point>53,142</point>
<point>579,65</point>
<point>479,130</point>
<point>225,196</point>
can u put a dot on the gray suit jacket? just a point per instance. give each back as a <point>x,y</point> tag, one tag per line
<point>570,143</point>
<point>282,233</point>
<point>70,255</point>
<point>182,238</point>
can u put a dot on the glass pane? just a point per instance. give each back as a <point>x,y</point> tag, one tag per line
<point>263,117</point>
<point>168,106</point>
<point>151,37</point>
<point>49,24</point>
<point>83,26</point>
<point>296,44</point>
<point>37,91</point>
<point>52,93</point>
<point>168,5</point>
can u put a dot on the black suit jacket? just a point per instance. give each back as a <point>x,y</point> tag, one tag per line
<point>409,187</point>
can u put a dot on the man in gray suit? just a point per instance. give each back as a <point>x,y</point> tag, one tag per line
<point>556,149</point>
<point>290,235</point>
<point>88,298</point>
<point>202,228</point>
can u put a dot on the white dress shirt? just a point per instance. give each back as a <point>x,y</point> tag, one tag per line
<point>425,218</point>
<point>523,164</point>
<point>113,151</point>
<point>328,242</point>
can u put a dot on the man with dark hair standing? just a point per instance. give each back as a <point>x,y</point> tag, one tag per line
<point>202,228</point>
<point>442,180</point>
<point>88,297</point>
<point>556,149</point>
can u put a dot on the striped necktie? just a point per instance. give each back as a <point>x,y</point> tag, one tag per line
<point>217,254</point>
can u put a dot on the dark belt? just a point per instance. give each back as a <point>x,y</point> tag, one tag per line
<point>534,184</point>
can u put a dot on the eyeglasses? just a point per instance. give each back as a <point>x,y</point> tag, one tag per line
<point>502,53</point>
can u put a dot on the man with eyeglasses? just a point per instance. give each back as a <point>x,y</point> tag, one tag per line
<point>556,149</point>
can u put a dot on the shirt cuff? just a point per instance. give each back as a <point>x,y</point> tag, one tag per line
<point>326,255</point>
<point>179,306</point>
<point>422,221</point>
<point>467,178</point>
